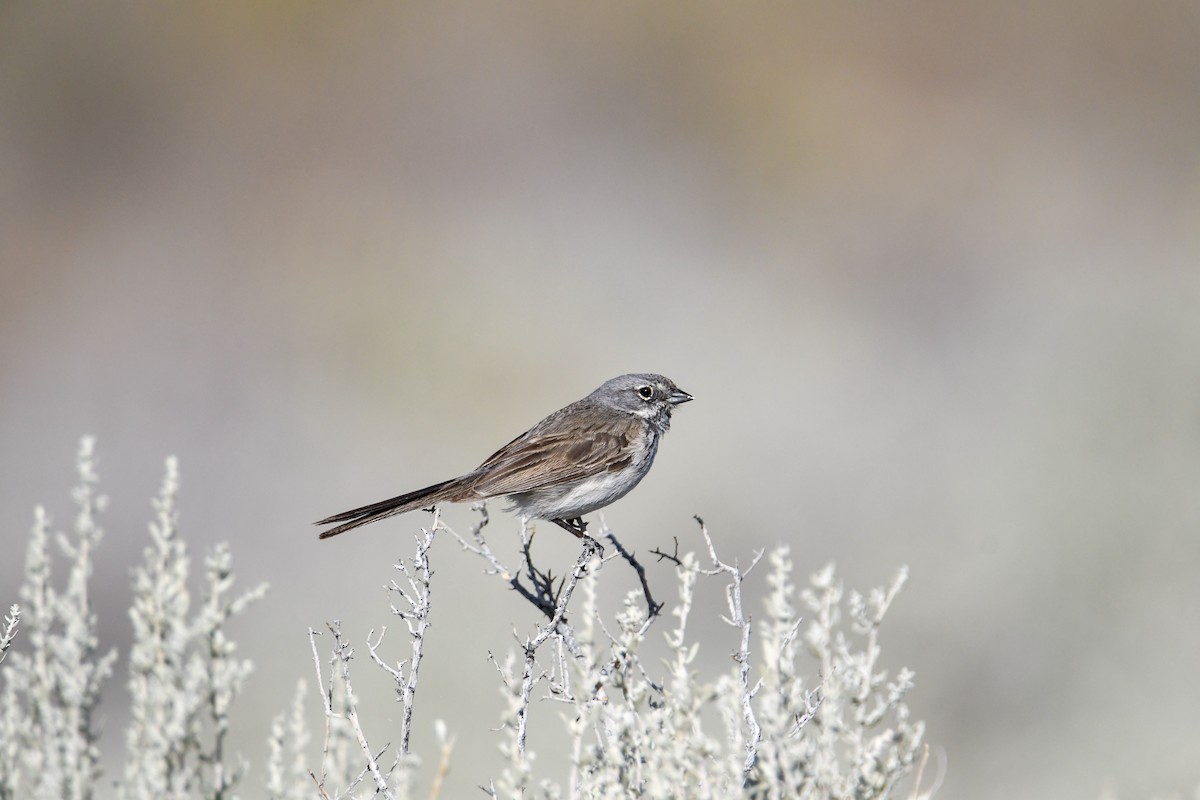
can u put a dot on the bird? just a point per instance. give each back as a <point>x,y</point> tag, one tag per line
<point>579,459</point>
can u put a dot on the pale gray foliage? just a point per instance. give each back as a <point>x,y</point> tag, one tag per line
<point>47,732</point>
<point>803,710</point>
<point>183,676</point>
<point>287,767</point>
<point>847,734</point>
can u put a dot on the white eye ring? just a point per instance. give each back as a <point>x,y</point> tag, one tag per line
<point>646,392</point>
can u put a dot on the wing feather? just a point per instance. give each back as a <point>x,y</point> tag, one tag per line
<point>553,453</point>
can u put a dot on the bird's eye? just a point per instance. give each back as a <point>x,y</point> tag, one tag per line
<point>646,392</point>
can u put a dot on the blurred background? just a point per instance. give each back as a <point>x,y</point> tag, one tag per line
<point>930,269</point>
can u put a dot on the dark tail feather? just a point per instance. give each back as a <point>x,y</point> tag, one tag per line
<point>385,508</point>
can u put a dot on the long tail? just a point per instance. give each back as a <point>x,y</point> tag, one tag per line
<point>387,508</point>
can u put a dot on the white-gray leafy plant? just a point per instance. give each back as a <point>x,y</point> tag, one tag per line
<point>757,729</point>
<point>803,709</point>
<point>183,677</point>
<point>47,730</point>
<point>847,734</point>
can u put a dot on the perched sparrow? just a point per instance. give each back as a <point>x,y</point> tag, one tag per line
<point>578,459</point>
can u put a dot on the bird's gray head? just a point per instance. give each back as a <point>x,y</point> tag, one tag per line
<point>644,394</point>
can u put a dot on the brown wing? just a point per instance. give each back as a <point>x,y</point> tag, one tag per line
<point>553,453</point>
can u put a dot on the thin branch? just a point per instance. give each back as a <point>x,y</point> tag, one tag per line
<point>344,653</point>
<point>327,700</point>
<point>673,556</point>
<point>738,619</point>
<point>590,550</point>
<point>542,595</point>
<point>11,622</point>
<point>652,608</point>
<point>443,767</point>
<point>319,784</point>
<point>416,617</point>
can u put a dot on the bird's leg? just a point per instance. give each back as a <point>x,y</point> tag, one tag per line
<point>575,525</point>
<point>578,529</point>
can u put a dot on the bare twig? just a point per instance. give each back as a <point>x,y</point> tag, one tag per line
<point>343,653</point>
<point>11,622</point>
<point>652,608</point>
<point>416,617</point>
<point>620,661</point>
<point>673,556</point>
<point>327,700</point>
<point>812,702</point>
<point>738,619</point>
<point>541,593</point>
<point>320,785</point>
<point>443,767</point>
<point>532,644</point>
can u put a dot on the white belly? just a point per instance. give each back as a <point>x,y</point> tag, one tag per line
<point>585,496</point>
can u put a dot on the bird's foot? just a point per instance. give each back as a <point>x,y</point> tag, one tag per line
<point>578,529</point>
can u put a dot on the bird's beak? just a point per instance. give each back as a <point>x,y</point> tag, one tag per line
<point>678,396</point>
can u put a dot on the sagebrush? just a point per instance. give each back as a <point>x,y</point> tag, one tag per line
<point>805,708</point>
